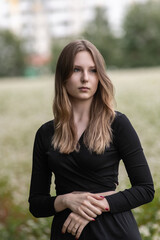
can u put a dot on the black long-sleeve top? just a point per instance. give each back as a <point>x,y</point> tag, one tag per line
<point>86,171</point>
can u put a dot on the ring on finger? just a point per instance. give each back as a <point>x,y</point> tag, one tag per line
<point>74,230</point>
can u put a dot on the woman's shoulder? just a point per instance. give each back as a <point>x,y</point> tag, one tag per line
<point>48,125</point>
<point>46,128</point>
<point>44,134</point>
<point>120,121</point>
<point>119,116</point>
<point>124,133</point>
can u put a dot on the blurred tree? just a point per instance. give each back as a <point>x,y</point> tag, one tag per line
<point>12,57</point>
<point>98,31</point>
<point>57,45</point>
<point>56,49</point>
<point>141,40</point>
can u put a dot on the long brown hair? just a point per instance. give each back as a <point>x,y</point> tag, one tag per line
<point>98,134</point>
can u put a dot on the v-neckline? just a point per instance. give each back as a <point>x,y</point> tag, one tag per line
<point>80,138</point>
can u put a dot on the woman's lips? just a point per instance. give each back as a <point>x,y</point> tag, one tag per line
<point>84,88</point>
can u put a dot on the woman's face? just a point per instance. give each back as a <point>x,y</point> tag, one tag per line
<point>83,82</point>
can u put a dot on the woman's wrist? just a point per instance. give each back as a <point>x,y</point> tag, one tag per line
<point>107,193</point>
<point>60,203</point>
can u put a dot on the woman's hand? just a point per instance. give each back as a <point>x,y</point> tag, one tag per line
<point>86,204</point>
<point>74,224</point>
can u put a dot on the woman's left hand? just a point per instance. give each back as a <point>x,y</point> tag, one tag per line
<point>74,224</point>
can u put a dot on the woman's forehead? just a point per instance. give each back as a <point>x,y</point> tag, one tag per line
<point>84,58</point>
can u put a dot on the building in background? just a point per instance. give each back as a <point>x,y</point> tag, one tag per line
<point>38,21</point>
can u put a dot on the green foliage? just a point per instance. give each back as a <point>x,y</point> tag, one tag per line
<point>98,31</point>
<point>12,56</point>
<point>56,49</point>
<point>141,40</point>
<point>57,46</point>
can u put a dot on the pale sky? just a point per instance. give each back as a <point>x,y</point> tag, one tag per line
<point>116,10</point>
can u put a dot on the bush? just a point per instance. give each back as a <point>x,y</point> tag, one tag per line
<point>12,57</point>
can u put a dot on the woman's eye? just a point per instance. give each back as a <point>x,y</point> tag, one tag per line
<point>93,70</point>
<point>76,69</point>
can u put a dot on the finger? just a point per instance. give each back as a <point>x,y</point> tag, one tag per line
<point>91,210</point>
<point>65,225</point>
<point>91,207</point>
<point>96,196</point>
<point>79,231</point>
<point>74,229</point>
<point>96,203</point>
<point>71,227</point>
<point>94,206</point>
<point>84,215</point>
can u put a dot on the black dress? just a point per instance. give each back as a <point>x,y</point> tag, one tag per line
<point>85,171</point>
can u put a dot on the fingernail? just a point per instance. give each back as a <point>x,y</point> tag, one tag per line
<point>101,196</point>
<point>106,209</point>
<point>62,232</point>
<point>93,219</point>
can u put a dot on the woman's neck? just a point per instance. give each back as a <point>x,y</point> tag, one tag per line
<point>81,111</point>
<point>81,115</point>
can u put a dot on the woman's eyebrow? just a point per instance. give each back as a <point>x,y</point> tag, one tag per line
<point>77,66</point>
<point>82,66</point>
<point>93,66</point>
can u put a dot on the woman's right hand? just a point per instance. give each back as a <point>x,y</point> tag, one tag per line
<point>87,205</point>
<point>74,224</point>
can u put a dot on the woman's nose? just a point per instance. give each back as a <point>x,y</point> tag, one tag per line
<point>85,76</point>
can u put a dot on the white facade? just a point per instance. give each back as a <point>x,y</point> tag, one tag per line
<point>67,17</point>
<point>37,21</point>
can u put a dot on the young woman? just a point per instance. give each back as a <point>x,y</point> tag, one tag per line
<point>83,146</point>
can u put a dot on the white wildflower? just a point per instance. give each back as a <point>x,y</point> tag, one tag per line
<point>144,231</point>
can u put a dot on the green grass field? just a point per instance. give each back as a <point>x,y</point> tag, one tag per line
<point>25,104</point>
